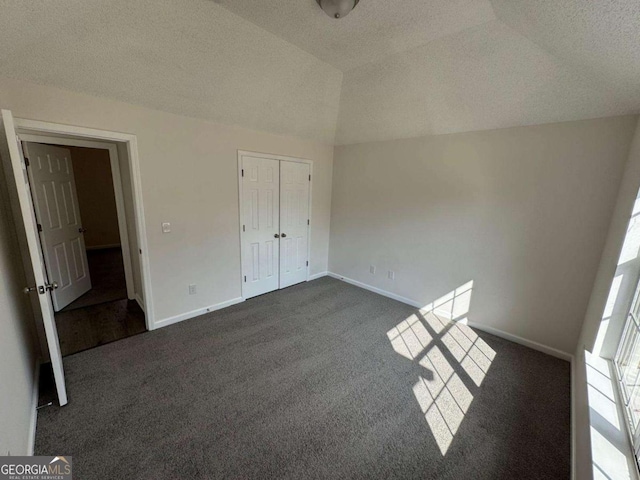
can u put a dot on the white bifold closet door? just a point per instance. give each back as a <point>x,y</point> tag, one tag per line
<point>275,224</point>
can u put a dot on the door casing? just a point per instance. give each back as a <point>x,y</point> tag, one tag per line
<point>72,135</point>
<point>242,153</point>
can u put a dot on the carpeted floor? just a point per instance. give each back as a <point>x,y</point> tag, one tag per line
<point>321,380</point>
<point>108,282</point>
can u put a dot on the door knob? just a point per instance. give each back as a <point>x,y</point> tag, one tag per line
<point>41,288</point>
<point>284,235</point>
<point>276,236</point>
<point>82,230</point>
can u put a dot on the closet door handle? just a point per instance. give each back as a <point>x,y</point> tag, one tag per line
<point>284,235</point>
<point>276,236</point>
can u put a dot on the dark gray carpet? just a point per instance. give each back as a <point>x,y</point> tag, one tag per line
<point>301,383</point>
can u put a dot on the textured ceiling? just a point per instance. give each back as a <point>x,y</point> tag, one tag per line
<point>189,57</point>
<point>374,30</point>
<point>486,77</point>
<point>411,67</point>
<point>419,67</point>
<point>600,36</point>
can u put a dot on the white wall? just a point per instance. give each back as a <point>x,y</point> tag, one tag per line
<point>523,212</point>
<point>613,246</point>
<point>189,178</point>
<point>17,352</point>
<point>608,268</point>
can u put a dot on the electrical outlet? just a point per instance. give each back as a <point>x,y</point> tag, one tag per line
<point>372,269</point>
<point>392,275</point>
<point>192,289</point>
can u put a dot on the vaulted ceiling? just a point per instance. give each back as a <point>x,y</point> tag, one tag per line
<point>390,69</point>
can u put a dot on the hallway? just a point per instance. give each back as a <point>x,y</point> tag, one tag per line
<point>103,314</point>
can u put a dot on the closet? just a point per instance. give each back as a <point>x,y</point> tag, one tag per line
<point>275,221</point>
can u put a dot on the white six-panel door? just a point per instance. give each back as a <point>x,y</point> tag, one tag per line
<point>23,208</point>
<point>56,203</point>
<point>275,196</point>
<point>294,222</point>
<point>261,207</point>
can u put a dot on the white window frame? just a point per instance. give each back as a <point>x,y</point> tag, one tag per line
<point>632,322</point>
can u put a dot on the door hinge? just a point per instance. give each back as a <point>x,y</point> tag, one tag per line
<point>245,279</point>
<point>307,263</point>
<point>243,172</point>
<point>39,227</point>
<point>243,228</point>
<point>26,161</point>
<point>309,177</point>
<point>308,222</point>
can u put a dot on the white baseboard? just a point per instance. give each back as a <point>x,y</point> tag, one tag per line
<point>493,331</point>
<point>196,313</point>
<point>315,276</point>
<point>35,395</point>
<point>139,301</point>
<point>103,247</point>
<point>377,290</point>
<point>554,352</point>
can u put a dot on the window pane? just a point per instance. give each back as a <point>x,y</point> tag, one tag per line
<point>634,407</point>
<point>631,244</point>
<point>628,364</point>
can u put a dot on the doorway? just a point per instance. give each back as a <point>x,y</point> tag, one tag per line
<point>40,282</point>
<point>84,233</point>
<point>275,221</point>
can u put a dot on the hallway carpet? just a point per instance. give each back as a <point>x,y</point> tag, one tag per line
<point>320,380</point>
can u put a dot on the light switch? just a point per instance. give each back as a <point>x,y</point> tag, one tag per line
<point>166,227</point>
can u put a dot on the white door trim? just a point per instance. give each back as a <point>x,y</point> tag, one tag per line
<point>117,188</point>
<point>36,127</point>
<point>283,158</point>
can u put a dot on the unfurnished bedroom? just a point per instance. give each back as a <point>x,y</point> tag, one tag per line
<point>320,239</point>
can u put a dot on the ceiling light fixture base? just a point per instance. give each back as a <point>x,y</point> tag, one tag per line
<point>337,8</point>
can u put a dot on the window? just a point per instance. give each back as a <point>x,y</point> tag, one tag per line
<point>627,366</point>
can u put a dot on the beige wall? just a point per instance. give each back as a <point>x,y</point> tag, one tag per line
<point>523,212</point>
<point>17,346</point>
<point>96,197</point>
<point>189,178</point>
